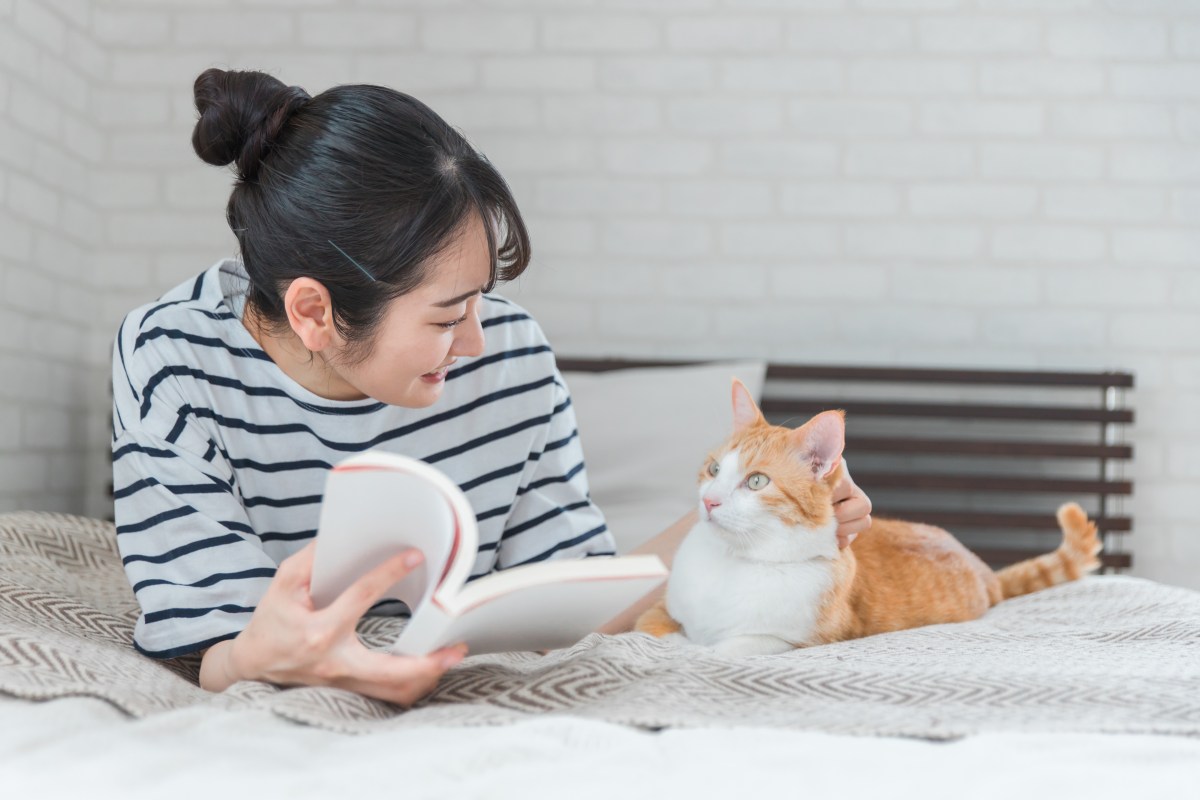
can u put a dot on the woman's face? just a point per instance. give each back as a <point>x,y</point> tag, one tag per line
<point>426,330</point>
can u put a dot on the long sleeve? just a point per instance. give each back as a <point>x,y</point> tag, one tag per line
<point>196,566</point>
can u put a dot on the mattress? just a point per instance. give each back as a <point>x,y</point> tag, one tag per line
<point>1093,683</point>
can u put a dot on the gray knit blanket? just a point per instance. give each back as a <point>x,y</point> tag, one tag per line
<point>1106,654</point>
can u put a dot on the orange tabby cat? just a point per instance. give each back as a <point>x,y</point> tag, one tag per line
<point>761,571</point>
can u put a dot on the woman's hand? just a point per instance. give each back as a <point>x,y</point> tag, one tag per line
<point>289,642</point>
<point>851,507</point>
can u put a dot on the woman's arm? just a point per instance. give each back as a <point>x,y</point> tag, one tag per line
<point>216,673</point>
<point>664,546</point>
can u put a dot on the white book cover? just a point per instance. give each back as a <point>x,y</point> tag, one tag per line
<point>377,504</point>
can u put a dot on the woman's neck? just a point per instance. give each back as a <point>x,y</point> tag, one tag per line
<point>305,367</point>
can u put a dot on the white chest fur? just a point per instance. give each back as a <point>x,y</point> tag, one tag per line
<point>717,596</point>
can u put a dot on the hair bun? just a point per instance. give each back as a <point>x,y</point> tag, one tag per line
<point>241,116</point>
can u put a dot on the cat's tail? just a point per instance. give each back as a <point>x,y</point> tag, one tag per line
<point>1073,559</point>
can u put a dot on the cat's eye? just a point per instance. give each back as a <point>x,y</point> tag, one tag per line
<point>714,468</point>
<point>757,481</point>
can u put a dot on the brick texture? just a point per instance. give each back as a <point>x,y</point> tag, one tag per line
<point>929,182</point>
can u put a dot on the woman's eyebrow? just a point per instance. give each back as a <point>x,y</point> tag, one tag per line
<point>453,301</point>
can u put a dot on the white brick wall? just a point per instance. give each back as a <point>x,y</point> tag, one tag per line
<point>957,182</point>
<point>49,229</point>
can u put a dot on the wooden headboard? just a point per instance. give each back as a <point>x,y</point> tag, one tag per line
<point>986,454</point>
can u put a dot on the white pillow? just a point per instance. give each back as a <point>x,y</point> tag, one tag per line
<point>645,433</point>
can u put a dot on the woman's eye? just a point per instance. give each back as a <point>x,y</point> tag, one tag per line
<point>757,481</point>
<point>714,468</point>
<point>453,322</point>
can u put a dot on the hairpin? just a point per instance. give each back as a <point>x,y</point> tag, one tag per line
<point>352,261</point>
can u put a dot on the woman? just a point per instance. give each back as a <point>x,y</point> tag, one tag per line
<point>371,234</point>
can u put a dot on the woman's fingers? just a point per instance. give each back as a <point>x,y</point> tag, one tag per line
<point>357,600</point>
<point>853,512</point>
<point>849,501</point>
<point>294,644</point>
<point>295,571</point>
<point>845,487</point>
<point>851,529</point>
<point>853,509</point>
<point>403,679</point>
<point>389,669</point>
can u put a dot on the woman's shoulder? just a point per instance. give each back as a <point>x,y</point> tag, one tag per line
<point>500,312</point>
<point>506,324</point>
<point>516,350</point>
<point>179,328</point>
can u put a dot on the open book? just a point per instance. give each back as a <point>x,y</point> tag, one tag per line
<point>377,504</point>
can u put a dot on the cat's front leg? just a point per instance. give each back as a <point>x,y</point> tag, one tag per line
<point>657,621</point>
<point>757,644</point>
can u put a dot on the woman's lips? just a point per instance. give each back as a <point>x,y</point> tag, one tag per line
<point>437,376</point>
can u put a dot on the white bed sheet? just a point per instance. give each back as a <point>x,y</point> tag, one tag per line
<point>84,748</point>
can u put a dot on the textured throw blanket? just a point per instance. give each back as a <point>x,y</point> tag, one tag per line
<point>1107,654</point>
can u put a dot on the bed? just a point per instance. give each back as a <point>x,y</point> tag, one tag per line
<point>1092,686</point>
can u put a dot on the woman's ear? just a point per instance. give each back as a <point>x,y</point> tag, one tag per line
<point>310,313</point>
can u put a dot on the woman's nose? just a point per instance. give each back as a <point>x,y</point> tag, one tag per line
<point>469,341</point>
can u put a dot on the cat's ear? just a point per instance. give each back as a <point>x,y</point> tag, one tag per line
<point>745,412</point>
<point>820,442</point>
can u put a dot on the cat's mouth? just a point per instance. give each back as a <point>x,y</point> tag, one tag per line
<point>733,534</point>
<point>714,517</point>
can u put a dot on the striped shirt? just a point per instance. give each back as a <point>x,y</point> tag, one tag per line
<point>220,459</point>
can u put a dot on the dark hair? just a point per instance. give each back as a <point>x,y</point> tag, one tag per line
<point>360,188</point>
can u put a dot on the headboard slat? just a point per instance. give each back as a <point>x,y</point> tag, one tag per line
<point>960,376</point>
<point>989,483</point>
<point>992,469</point>
<point>991,447</point>
<point>949,410</point>
<point>1001,558</point>
<point>995,519</point>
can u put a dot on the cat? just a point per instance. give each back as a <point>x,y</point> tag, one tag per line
<point>761,572</point>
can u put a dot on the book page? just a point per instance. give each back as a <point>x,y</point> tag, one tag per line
<point>369,515</point>
<point>536,611</point>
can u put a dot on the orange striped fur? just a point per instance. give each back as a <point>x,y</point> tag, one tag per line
<point>896,575</point>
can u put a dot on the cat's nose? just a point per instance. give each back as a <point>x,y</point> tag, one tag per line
<point>710,504</point>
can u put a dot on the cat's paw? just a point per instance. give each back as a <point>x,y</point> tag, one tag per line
<point>656,621</point>
<point>753,645</point>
